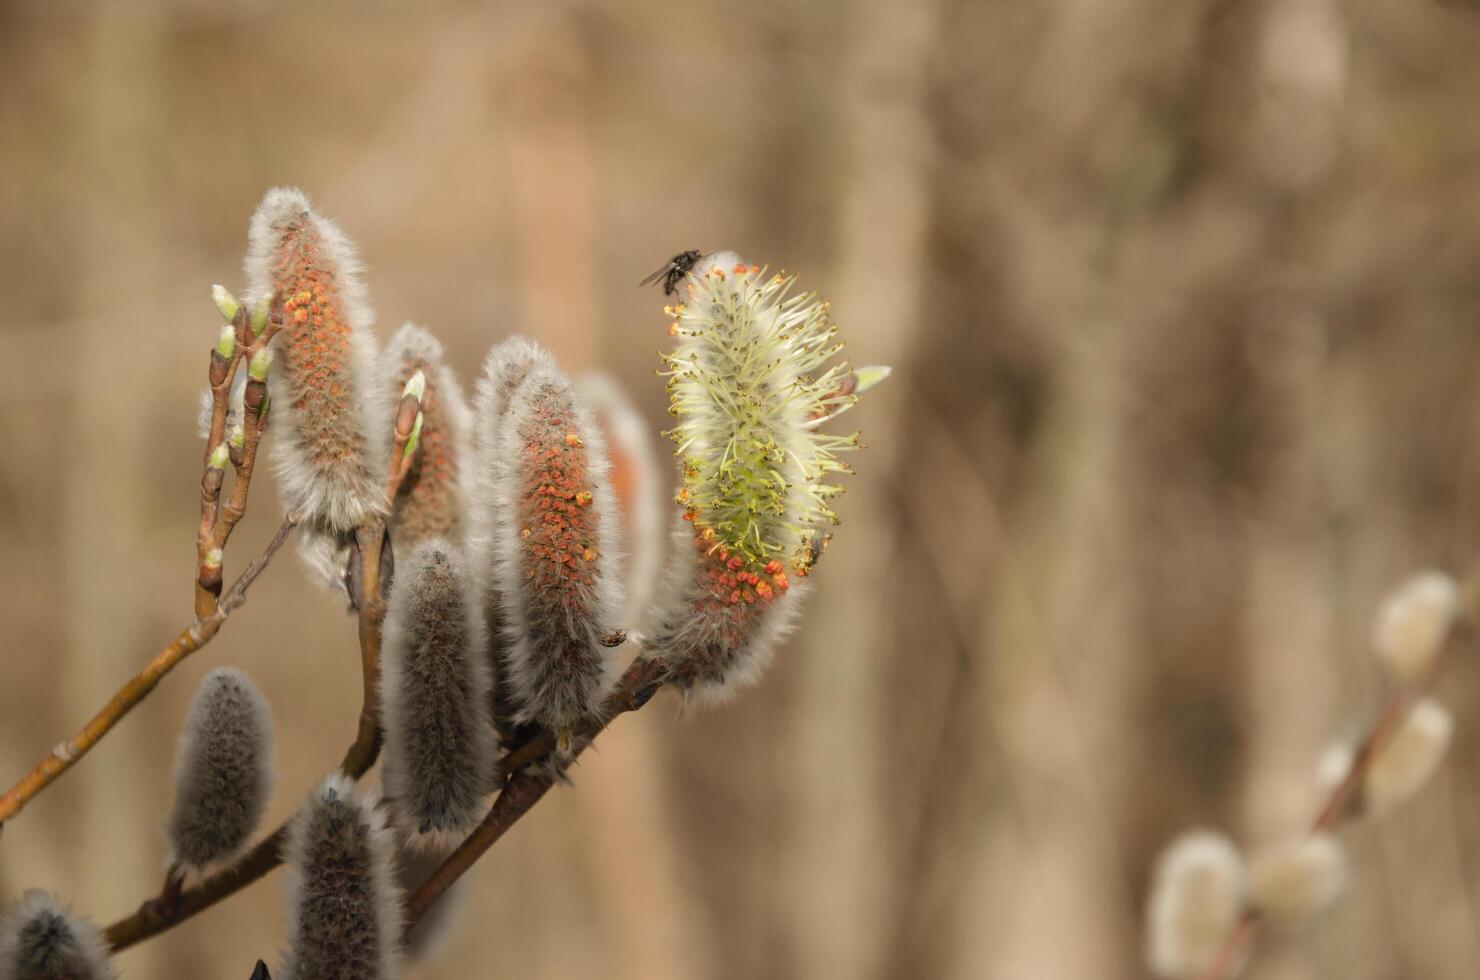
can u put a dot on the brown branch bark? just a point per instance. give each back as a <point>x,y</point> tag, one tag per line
<point>191,639</point>
<point>526,786</point>
<point>151,919</point>
<point>372,560</point>
<point>1344,799</point>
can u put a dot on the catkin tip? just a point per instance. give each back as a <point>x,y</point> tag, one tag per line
<point>344,905</point>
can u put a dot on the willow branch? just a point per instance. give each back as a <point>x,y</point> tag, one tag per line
<point>371,566</point>
<point>527,784</point>
<point>191,639</point>
<point>1344,798</point>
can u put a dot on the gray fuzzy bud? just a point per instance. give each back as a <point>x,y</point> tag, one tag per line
<point>345,910</point>
<point>223,771</point>
<point>435,685</point>
<point>555,562</point>
<point>41,940</point>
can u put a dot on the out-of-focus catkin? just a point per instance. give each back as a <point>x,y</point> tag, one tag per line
<point>752,380</point>
<point>432,498</point>
<point>41,940</point>
<point>223,772</point>
<point>1413,622</point>
<point>1294,881</point>
<point>331,432</point>
<point>440,750</point>
<point>344,907</point>
<point>1409,757</point>
<point>554,549</point>
<point>1197,896</point>
<point>637,486</point>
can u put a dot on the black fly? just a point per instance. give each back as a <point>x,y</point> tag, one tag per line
<point>672,274</point>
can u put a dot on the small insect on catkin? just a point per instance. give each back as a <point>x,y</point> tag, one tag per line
<point>440,749</point>
<point>331,434</point>
<point>344,907</point>
<point>639,489</point>
<point>555,562</point>
<point>1413,622</point>
<point>503,371</point>
<point>751,385</point>
<point>41,940</point>
<point>223,772</point>
<point>1197,896</point>
<point>432,498</point>
<point>1294,881</point>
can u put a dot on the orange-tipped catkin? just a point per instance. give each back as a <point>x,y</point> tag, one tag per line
<point>440,751</point>
<point>554,544</point>
<point>432,499</point>
<point>223,772</point>
<point>752,381</point>
<point>344,906</point>
<point>331,433</point>
<point>41,940</point>
<point>503,371</point>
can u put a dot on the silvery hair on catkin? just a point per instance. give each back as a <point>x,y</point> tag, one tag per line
<point>41,940</point>
<point>344,906</point>
<point>435,686</point>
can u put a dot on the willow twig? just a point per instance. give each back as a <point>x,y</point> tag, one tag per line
<point>1341,801</point>
<point>191,639</point>
<point>372,565</point>
<point>151,919</point>
<point>527,785</point>
<point>216,521</point>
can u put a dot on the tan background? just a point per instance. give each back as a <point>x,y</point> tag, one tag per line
<point>1182,296</point>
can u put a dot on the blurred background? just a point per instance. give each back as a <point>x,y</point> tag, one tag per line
<point>1182,299</point>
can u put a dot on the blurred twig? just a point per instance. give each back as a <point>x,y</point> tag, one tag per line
<point>1344,797</point>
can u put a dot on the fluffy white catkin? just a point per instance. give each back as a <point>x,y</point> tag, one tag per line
<point>555,569</point>
<point>1197,896</point>
<point>331,429</point>
<point>344,906</point>
<point>1409,757</point>
<point>41,940</point>
<point>435,687</point>
<point>1294,881</point>
<point>503,371</point>
<point>433,496</point>
<point>223,771</point>
<point>1412,623</point>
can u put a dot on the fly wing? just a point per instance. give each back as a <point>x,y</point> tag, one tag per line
<point>657,276</point>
